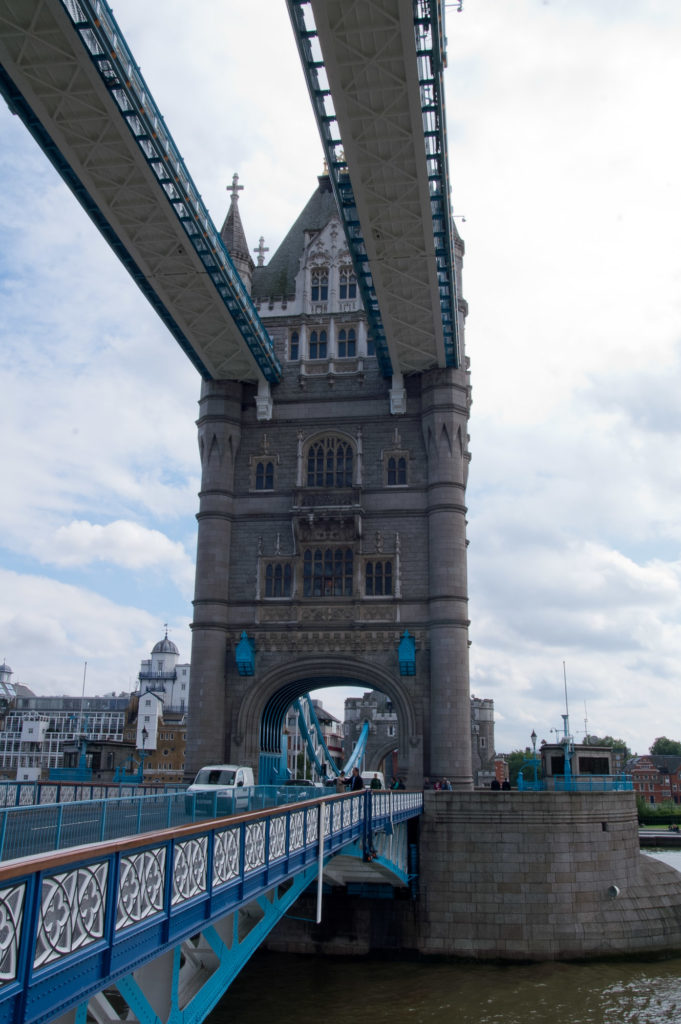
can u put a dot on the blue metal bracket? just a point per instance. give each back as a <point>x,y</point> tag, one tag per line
<point>406,654</point>
<point>245,655</point>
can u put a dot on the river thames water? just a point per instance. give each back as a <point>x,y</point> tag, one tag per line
<point>276,989</point>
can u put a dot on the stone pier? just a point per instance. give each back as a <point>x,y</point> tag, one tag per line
<point>518,877</point>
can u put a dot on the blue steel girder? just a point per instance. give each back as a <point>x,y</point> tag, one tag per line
<point>312,743</point>
<point>67,71</point>
<point>357,754</point>
<point>374,71</point>
<point>76,922</point>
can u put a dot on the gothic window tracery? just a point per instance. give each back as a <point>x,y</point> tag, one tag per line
<point>328,572</point>
<point>378,578</point>
<point>347,287</point>
<point>264,476</point>
<point>397,471</point>
<point>330,463</point>
<point>318,345</point>
<point>278,578</point>
<point>347,343</point>
<point>319,291</point>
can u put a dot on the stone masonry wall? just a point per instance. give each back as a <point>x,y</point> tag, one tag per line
<point>515,876</point>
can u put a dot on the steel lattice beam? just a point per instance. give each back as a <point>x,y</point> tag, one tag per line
<point>67,72</point>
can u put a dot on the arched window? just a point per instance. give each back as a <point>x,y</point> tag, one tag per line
<point>378,579</point>
<point>329,463</point>
<point>264,476</point>
<point>327,572</point>
<point>397,471</point>
<point>294,346</point>
<point>347,288</point>
<point>278,579</point>
<point>319,291</point>
<point>318,345</point>
<point>347,344</point>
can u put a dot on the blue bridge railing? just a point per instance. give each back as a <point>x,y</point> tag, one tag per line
<point>30,830</point>
<point>73,923</point>
<point>577,783</point>
<point>22,794</point>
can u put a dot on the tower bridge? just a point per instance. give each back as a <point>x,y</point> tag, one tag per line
<point>334,450</point>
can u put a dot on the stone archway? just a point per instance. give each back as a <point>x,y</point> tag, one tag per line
<point>262,711</point>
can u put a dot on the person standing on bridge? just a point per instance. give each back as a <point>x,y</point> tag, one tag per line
<point>357,782</point>
<point>341,783</point>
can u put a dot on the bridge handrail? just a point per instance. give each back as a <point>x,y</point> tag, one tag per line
<point>15,793</point>
<point>577,784</point>
<point>94,915</point>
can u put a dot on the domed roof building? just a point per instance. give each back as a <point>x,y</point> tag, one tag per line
<point>165,646</point>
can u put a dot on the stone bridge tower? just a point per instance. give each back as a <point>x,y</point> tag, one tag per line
<point>330,528</point>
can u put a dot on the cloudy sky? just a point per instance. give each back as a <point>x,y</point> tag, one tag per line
<point>565,158</point>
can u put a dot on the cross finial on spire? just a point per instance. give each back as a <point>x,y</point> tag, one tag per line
<point>235,188</point>
<point>261,249</point>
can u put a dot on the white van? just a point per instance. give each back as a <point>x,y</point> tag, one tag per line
<point>368,777</point>
<point>215,788</point>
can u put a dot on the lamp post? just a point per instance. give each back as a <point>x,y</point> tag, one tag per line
<point>145,737</point>
<point>533,737</point>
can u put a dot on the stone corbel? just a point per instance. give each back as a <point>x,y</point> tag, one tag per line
<point>263,400</point>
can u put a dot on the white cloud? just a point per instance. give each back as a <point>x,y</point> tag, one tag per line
<point>54,628</point>
<point>122,543</point>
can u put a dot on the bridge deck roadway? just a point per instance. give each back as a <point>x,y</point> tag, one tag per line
<point>73,923</point>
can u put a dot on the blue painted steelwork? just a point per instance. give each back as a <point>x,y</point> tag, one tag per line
<point>429,38</point>
<point>245,655</point>
<point>98,31</point>
<point>24,794</point>
<point>356,756</point>
<point>32,830</point>
<point>77,923</point>
<point>18,105</point>
<point>577,783</point>
<point>430,51</point>
<point>322,104</point>
<point>329,769</point>
<point>406,654</point>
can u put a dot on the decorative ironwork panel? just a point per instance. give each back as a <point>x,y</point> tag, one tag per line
<point>337,816</point>
<point>226,858</point>
<point>326,812</point>
<point>72,907</point>
<point>98,793</point>
<point>277,837</point>
<point>68,794</point>
<point>26,795</point>
<point>141,886</point>
<point>355,811</point>
<point>189,869</point>
<point>11,911</point>
<point>296,832</point>
<point>254,846</point>
<point>311,829</point>
<point>5,796</point>
<point>47,795</point>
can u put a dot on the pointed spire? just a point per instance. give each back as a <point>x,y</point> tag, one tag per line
<point>234,237</point>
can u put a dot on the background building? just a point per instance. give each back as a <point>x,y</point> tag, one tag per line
<point>383,746</point>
